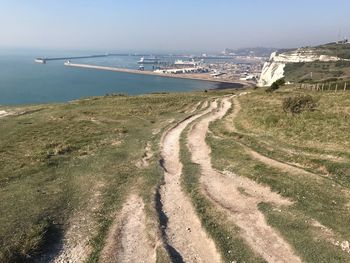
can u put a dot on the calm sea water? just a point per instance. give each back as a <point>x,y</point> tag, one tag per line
<point>24,82</point>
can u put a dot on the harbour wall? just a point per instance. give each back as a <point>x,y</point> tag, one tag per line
<point>200,76</point>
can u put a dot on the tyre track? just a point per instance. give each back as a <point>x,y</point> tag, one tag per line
<point>127,240</point>
<point>184,237</point>
<point>239,196</point>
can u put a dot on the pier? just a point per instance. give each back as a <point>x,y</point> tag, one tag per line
<point>43,60</point>
<point>199,76</point>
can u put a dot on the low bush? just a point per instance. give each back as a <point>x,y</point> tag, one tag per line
<point>299,104</point>
<point>276,85</point>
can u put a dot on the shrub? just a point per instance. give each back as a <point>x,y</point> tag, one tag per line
<point>276,85</point>
<point>299,104</point>
<point>280,82</point>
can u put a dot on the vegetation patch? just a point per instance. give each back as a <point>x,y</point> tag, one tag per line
<point>50,161</point>
<point>276,85</point>
<point>299,103</point>
<point>314,140</point>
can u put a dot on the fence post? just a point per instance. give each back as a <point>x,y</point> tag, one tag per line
<point>322,86</point>
<point>336,87</point>
<point>345,86</point>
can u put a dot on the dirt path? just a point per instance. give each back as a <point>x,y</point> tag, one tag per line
<point>5,113</point>
<point>194,108</point>
<point>229,125</point>
<point>185,238</point>
<point>239,196</point>
<point>279,165</point>
<point>262,158</point>
<point>204,105</point>
<point>127,240</point>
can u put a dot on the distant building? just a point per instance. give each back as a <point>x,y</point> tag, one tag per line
<point>228,51</point>
<point>344,41</point>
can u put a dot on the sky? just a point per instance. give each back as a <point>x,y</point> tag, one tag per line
<point>177,25</point>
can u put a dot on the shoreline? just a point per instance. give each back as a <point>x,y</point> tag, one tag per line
<point>211,84</point>
<point>199,76</point>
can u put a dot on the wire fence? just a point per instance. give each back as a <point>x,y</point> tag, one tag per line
<point>330,86</point>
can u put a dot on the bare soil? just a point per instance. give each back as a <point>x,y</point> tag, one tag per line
<point>4,113</point>
<point>184,232</point>
<point>193,108</point>
<point>128,239</point>
<point>239,196</point>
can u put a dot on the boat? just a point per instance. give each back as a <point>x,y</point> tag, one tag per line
<point>40,60</point>
<point>188,63</point>
<point>150,60</point>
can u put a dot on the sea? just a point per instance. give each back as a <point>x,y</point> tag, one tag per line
<point>22,81</point>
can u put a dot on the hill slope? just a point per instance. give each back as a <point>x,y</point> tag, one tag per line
<point>309,63</point>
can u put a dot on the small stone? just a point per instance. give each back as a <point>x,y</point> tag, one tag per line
<point>345,245</point>
<point>189,229</point>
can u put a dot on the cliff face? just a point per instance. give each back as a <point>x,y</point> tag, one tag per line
<point>274,68</point>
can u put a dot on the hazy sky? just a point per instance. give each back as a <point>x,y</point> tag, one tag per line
<point>170,25</point>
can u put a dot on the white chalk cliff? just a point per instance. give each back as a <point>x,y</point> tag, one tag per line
<point>274,68</point>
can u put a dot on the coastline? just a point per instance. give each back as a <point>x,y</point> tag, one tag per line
<point>198,76</point>
<point>229,85</point>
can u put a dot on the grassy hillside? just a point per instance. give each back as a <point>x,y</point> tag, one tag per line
<point>60,163</point>
<point>333,49</point>
<point>316,142</point>
<point>317,71</point>
<point>321,71</point>
<point>74,165</point>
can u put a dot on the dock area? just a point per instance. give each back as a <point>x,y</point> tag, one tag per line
<point>194,76</point>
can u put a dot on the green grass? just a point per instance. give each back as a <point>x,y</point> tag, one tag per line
<point>302,138</point>
<point>263,126</point>
<point>332,49</point>
<point>53,161</point>
<point>321,71</point>
<point>59,160</point>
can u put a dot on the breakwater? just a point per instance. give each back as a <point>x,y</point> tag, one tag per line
<point>199,76</point>
<point>43,60</point>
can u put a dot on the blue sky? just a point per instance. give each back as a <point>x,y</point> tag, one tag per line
<point>135,25</point>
